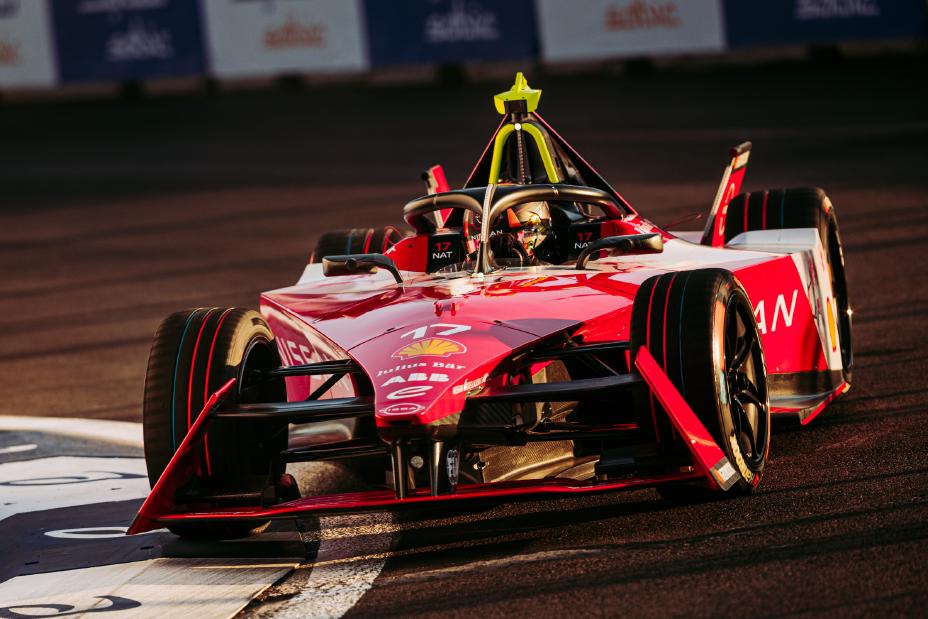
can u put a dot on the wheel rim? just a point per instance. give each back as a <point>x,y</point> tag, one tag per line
<point>259,355</point>
<point>747,383</point>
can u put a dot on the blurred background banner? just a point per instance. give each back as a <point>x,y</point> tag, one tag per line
<point>101,40</point>
<point>26,51</point>
<point>822,21</point>
<point>260,37</point>
<point>48,43</point>
<point>427,31</point>
<point>595,29</point>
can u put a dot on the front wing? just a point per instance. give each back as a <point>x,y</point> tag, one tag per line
<point>160,509</point>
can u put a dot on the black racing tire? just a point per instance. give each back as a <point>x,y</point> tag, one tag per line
<point>801,207</point>
<point>680,318</point>
<point>194,353</point>
<point>355,241</point>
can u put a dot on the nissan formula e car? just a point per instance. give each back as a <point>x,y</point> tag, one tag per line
<point>533,336</point>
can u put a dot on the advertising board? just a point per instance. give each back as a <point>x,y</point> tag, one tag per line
<point>253,37</point>
<point>822,21</point>
<point>100,40</point>
<point>26,50</point>
<point>597,29</point>
<point>429,31</point>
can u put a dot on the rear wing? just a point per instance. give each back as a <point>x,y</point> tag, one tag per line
<point>732,177</point>
<point>436,182</point>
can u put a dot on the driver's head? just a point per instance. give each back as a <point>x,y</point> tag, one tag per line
<point>529,224</point>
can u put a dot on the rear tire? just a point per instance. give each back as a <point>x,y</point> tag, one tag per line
<point>681,318</point>
<point>194,353</point>
<point>355,241</point>
<point>801,207</point>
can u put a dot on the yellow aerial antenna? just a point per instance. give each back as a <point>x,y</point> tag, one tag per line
<point>519,98</point>
<point>517,102</point>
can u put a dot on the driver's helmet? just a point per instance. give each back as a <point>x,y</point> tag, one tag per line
<point>527,224</point>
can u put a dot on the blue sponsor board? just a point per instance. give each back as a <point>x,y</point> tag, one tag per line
<point>426,31</point>
<point>822,21</point>
<point>127,39</point>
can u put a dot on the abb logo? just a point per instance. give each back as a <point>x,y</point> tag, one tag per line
<point>433,377</point>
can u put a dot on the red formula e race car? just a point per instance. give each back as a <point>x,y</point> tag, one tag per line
<point>534,336</point>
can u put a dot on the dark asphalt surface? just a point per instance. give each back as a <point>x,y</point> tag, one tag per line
<point>114,214</point>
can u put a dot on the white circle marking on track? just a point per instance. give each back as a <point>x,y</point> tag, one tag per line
<point>15,449</point>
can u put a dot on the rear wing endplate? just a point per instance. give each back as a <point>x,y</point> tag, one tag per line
<point>732,177</point>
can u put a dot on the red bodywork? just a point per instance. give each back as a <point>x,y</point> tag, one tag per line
<point>487,319</point>
<point>471,325</point>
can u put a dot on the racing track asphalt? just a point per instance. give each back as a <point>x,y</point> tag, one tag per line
<point>113,214</point>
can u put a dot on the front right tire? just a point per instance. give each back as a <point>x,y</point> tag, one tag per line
<point>699,326</point>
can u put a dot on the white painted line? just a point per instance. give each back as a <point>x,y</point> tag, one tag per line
<point>92,533</point>
<point>121,432</point>
<point>203,588</point>
<point>155,588</point>
<point>69,481</point>
<point>15,449</point>
<point>162,587</point>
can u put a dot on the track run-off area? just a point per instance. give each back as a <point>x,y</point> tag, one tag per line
<point>115,213</point>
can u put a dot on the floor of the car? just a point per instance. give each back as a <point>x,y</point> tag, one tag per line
<point>805,406</point>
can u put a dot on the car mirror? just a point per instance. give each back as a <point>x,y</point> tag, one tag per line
<point>625,245</point>
<point>359,263</point>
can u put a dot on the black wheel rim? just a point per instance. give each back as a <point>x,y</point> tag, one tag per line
<point>746,382</point>
<point>259,355</point>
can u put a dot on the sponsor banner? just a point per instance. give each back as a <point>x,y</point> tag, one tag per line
<point>593,29</point>
<point>26,56</point>
<point>127,39</point>
<point>424,31</point>
<point>822,21</point>
<point>252,37</point>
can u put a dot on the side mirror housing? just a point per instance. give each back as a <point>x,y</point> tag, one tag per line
<point>629,244</point>
<point>359,263</point>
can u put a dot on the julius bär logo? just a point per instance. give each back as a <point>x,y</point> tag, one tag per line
<point>431,347</point>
